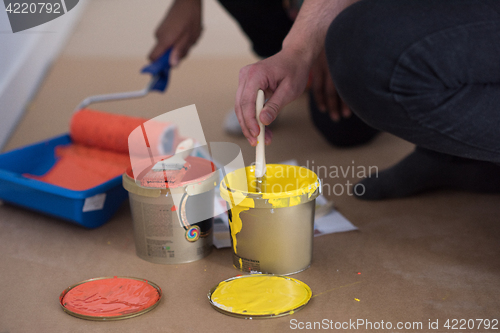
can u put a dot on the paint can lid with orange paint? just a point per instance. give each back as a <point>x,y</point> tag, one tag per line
<point>110,298</point>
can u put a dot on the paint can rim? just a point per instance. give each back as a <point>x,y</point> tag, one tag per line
<point>236,196</point>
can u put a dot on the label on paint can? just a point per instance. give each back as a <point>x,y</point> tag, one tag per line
<point>159,248</point>
<point>157,220</point>
<point>158,229</point>
<point>161,238</point>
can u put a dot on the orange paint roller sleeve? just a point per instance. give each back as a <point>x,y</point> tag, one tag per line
<point>103,130</point>
<point>111,132</point>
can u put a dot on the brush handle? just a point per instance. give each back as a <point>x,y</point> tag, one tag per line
<point>260,156</point>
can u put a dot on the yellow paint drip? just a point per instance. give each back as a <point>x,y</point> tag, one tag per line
<point>279,202</point>
<point>261,295</point>
<point>236,225</point>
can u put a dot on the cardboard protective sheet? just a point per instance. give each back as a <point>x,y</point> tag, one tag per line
<point>434,256</point>
<point>431,257</point>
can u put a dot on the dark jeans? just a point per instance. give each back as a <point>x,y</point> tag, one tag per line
<point>427,71</point>
<point>265,22</point>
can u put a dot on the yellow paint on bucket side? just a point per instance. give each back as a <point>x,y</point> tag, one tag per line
<point>284,186</point>
<point>236,225</point>
<point>280,202</point>
<point>256,295</point>
<point>247,202</point>
<point>294,201</point>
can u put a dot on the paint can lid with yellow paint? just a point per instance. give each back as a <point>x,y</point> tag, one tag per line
<point>260,296</point>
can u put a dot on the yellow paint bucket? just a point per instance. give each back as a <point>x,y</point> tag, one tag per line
<point>272,232</point>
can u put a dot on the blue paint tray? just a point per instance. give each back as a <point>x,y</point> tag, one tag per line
<point>90,208</point>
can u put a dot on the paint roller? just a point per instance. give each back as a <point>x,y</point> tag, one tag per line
<point>159,70</point>
<point>100,148</point>
<point>110,132</point>
<point>101,140</point>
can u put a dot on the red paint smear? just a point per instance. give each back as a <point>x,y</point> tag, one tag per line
<point>174,208</point>
<point>110,297</point>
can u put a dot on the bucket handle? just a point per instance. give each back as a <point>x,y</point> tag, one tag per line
<point>183,217</point>
<point>182,212</point>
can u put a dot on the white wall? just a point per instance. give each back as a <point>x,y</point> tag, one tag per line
<point>24,59</point>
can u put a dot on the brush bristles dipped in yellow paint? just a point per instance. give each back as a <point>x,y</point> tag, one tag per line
<point>260,156</point>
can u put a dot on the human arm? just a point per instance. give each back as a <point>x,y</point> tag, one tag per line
<point>283,76</point>
<point>179,30</point>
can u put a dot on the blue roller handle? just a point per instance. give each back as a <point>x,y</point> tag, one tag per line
<point>160,70</point>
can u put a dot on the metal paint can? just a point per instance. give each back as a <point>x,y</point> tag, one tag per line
<point>166,233</point>
<point>272,232</point>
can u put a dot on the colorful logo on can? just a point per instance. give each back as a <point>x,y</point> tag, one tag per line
<point>193,233</point>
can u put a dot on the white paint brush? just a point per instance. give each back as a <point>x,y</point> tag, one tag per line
<point>260,156</point>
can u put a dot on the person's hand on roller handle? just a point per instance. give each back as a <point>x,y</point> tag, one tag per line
<point>179,31</point>
<point>283,77</point>
<point>159,70</point>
